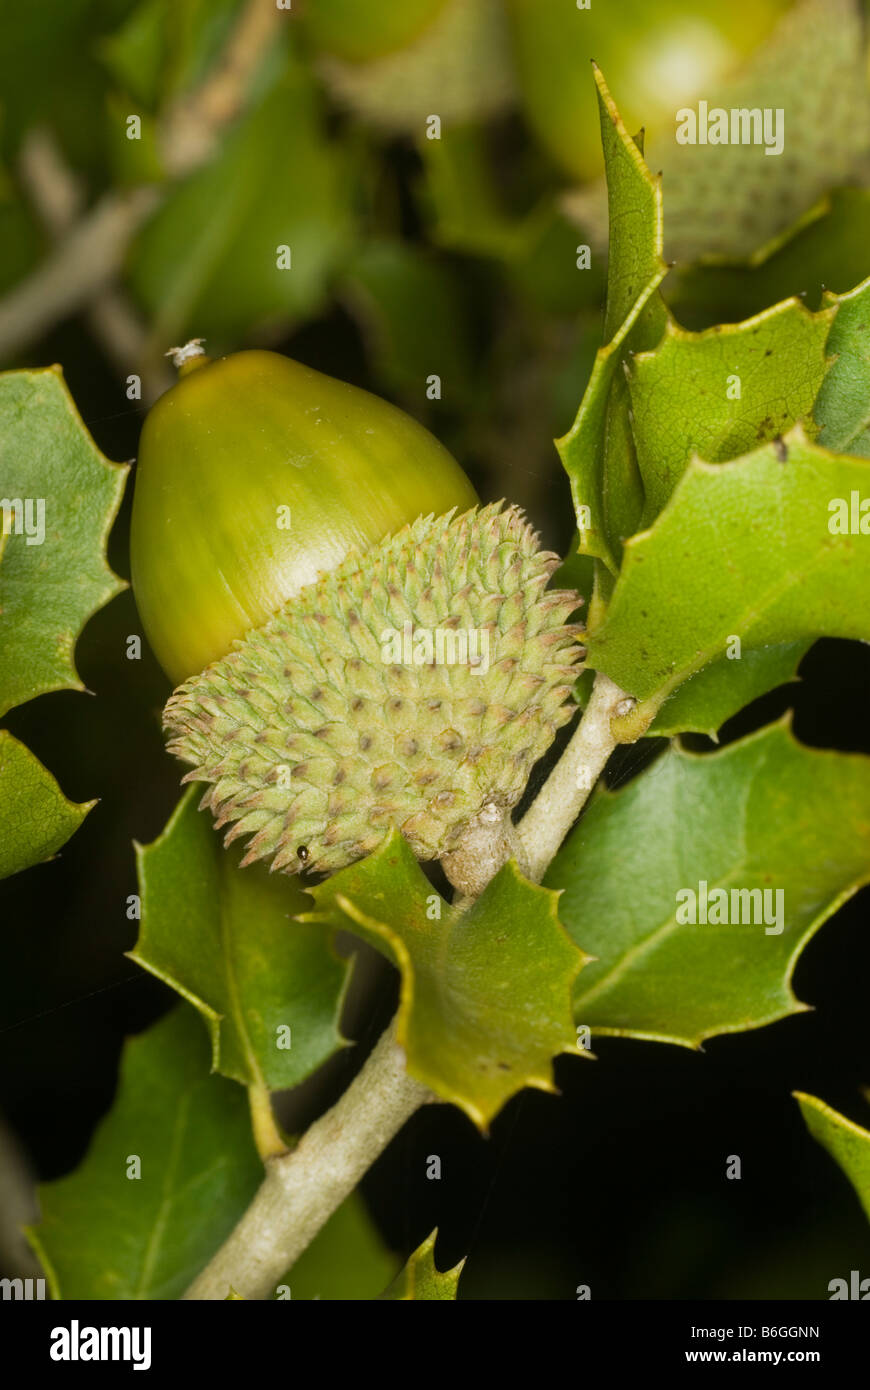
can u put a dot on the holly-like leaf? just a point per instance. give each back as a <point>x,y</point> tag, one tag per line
<point>746,550</point>
<point>585,453</point>
<point>35,816</point>
<point>486,994</point>
<point>785,827</point>
<point>269,988</point>
<point>842,410</point>
<point>421,1280</point>
<point>58,497</point>
<point>707,700</point>
<point>847,1143</point>
<point>721,393</point>
<point>598,452</point>
<point>169,1172</point>
<point>634,204</point>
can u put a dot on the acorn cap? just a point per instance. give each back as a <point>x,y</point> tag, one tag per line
<point>413,686</point>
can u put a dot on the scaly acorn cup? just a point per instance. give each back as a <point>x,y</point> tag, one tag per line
<point>412,684</point>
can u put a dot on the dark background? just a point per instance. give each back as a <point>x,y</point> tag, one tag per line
<point>619,1183</point>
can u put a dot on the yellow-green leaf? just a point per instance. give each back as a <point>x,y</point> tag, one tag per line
<point>749,550</point>
<point>847,1143</point>
<point>420,1279</point>
<point>486,994</point>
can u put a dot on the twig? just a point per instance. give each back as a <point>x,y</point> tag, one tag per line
<point>87,260</point>
<point>93,251</point>
<point>487,843</point>
<point>534,840</point>
<point>302,1189</point>
<point>559,803</point>
<point>57,195</point>
<point>190,132</point>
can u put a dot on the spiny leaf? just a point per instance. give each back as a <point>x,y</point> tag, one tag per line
<point>723,392</point>
<point>847,1143</point>
<point>742,549</point>
<point>634,201</point>
<point>584,449</point>
<point>35,816</point>
<point>485,1002</point>
<point>49,584</point>
<point>704,702</point>
<point>842,410</point>
<point>766,815</point>
<point>598,453</point>
<point>421,1280</point>
<point>106,1233</point>
<point>224,938</point>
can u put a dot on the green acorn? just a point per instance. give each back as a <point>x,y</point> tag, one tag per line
<point>255,476</point>
<point>412,683</point>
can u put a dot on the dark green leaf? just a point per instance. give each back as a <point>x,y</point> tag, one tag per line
<point>742,550</point>
<point>50,583</point>
<point>35,816</point>
<point>485,1002</point>
<point>765,815</point>
<point>108,1234</point>
<point>209,260</point>
<point>721,393</point>
<point>225,939</point>
<point>707,700</point>
<point>412,312</point>
<point>598,452</point>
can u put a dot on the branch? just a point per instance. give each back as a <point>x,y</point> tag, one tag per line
<point>57,195</point>
<point>191,129</point>
<point>86,261</point>
<point>302,1189</point>
<point>559,803</point>
<point>93,252</point>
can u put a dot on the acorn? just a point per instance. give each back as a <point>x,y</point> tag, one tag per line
<point>391,657</point>
<point>359,33</point>
<point>655,56</point>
